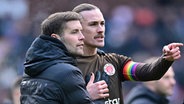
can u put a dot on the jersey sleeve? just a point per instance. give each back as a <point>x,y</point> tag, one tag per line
<point>146,71</point>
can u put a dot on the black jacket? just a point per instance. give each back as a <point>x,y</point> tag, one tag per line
<point>51,76</point>
<point>142,95</point>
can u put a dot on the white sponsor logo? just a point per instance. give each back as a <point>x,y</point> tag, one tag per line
<point>113,101</point>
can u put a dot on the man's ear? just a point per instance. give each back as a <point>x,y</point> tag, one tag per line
<point>55,36</point>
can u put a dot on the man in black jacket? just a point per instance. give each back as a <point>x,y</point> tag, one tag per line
<point>51,75</point>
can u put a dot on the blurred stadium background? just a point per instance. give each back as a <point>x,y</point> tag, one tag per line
<point>136,28</point>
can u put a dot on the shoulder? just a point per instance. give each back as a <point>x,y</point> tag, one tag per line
<point>139,94</point>
<point>62,68</point>
<point>113,57</point>
<point>60,72</point>
<point>143,101</point>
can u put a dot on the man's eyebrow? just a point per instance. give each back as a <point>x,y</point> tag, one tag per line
<point>92,22</point>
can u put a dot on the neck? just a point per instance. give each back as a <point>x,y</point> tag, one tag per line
<point>150,86</point>
<point>89,51</point>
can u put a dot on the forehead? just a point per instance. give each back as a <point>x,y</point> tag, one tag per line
<point>74,24</point>
<point>92,15</point>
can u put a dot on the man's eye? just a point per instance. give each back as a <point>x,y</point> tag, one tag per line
<point>97,23</point>
<point>75,31</point>
<point>102,23</point>
<point>93,24</point>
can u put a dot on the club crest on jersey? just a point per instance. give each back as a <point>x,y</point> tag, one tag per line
<point>109,69</point>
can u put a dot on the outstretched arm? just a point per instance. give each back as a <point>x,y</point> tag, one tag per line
<point>156,69</point>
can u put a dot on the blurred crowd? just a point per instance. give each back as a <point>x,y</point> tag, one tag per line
<point>136,28</point>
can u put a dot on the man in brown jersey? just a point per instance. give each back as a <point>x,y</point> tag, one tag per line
<point>111,69</point>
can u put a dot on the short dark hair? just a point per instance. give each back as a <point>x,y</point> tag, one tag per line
<point>84,7</point>
<point>55,23</point>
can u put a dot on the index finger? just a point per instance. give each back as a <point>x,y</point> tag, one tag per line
<point>174,45</point>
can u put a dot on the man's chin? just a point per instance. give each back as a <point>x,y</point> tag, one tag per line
<point>100,46</point>
<point>78,53</point>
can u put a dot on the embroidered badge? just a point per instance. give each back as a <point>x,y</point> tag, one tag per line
<point>109,69</point>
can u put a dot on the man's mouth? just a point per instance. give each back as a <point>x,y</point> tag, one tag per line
<point>99,37</point>
<point>80,45</point>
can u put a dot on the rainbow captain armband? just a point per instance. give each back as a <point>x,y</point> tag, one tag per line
<point>129,70</point>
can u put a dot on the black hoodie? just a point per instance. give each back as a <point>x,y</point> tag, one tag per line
<point>51,76</point>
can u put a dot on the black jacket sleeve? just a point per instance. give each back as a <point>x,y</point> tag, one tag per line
<point>40,91</point>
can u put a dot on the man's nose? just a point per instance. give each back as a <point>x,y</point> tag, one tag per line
<point>173,81</point>
<point>100,29</point>
<point>81,36</point>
